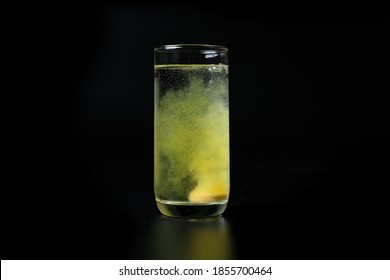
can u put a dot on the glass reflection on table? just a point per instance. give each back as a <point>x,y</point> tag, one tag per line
<point>202,239</point>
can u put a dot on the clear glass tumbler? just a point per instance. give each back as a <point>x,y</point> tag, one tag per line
<point>191,130</point>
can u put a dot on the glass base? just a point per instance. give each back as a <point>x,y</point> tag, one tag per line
<point>191,210</point>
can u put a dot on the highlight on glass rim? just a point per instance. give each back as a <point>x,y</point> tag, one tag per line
<point>191,130</point>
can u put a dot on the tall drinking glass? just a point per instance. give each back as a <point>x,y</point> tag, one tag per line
<point>191,130</point>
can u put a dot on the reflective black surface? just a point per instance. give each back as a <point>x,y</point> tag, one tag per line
<point>167,238</point>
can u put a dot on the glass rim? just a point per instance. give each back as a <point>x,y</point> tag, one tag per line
<point>202,48</point>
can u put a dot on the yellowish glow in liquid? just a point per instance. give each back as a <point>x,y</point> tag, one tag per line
<point>193,133</point>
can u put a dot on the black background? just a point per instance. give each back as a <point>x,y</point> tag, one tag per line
<point>309,117</point>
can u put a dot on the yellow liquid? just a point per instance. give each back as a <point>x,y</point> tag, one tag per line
<point>191,134</point>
